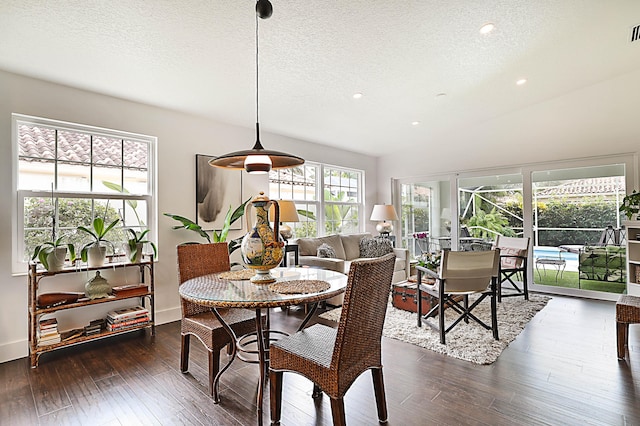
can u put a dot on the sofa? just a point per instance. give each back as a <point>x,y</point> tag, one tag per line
<point>347,249</point>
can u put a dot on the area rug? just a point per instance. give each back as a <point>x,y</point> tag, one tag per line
<point>469,342</point>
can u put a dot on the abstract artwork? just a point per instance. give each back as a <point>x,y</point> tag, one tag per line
<point>216,191</point>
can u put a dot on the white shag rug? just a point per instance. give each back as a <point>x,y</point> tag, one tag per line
<point>470,342</point>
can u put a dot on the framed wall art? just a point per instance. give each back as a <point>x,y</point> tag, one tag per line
<point>216,191</point>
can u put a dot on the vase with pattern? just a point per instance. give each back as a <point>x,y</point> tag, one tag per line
<point>261,247</point>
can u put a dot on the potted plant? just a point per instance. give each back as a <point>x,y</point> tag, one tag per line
<point>52,254</point>
<point>95,251</point>
<point>218,236</point>
<point>630,205</point>
<point>135,244</point>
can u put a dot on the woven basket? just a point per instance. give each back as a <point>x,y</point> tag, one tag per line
<point>637,269</point>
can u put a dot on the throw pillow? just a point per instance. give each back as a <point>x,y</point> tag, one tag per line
<point>511,262</point>
<point>375,247</point>
<point>325,251</point>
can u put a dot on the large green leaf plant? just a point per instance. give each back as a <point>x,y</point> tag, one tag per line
<point>217,236</point>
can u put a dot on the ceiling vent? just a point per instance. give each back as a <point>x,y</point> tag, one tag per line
<point>635,34</point>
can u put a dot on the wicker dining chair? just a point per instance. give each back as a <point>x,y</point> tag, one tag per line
<point>333,358</point>
<point>196,260</point>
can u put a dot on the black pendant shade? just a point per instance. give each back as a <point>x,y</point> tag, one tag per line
<point>257,159</point>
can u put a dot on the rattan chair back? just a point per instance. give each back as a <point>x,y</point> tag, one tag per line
<point>196,260</point>
<point>363,313</point>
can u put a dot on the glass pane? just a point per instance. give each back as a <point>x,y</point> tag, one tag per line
<point>39,174</point>
<point>415,218</point>
<point>38,213</point>
<point>33,238</point>
<point>107,151</point>
<point>104,176</point>
<point>308,225</point>
<point>74,212</point>
<point>491,206</point>
<point>74,177</point>
<point>135,213</point>
<point>578,239</point>
<point>136,181</point>
<point>74,146</point>
<point>136,154</point>
<point>308,182</point>
<point>286,192</point>
<point>339,217</point>
<point>111,210</point>
<point>36,142</point>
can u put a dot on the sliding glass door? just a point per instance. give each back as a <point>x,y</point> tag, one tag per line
<point>568,209</point>
<point>425,215</point>
<point>577,231</point>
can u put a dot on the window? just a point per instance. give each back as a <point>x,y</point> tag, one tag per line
<point>68,174</point>
<point>333,191</point>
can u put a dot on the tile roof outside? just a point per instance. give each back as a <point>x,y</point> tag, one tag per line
<point>36,143</point>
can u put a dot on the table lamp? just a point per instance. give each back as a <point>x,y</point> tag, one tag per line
<point>383,213</point>
<point>288,213</point>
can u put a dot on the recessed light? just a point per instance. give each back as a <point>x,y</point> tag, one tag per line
<point>415,123</point>
<point>521,81</point>
<point>487,28</point>
<point>357,95</point>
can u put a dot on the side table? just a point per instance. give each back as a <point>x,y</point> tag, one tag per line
<point>288,248</point>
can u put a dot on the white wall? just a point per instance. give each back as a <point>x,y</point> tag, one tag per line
<point>180,137</point>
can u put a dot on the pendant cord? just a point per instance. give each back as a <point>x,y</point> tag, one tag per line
<point>257,73</point>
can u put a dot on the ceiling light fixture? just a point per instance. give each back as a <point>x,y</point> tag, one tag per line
<point>521,81</point>
<point>258,159</point>
<point>487,28</point>
<point>415,123</point>
<point>357,95</point>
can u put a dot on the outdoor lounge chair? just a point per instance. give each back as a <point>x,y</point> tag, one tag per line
<point>514,253</point>
<point>461,274</point>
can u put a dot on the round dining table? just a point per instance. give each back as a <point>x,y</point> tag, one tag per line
<point>293,286</point>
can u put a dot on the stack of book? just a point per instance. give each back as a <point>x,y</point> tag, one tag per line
<point>123,319</point>
<point>94,327</point>
<point>48,332</point>
<point>130,290</point>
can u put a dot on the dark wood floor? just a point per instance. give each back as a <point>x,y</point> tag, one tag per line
<point>562,370</point>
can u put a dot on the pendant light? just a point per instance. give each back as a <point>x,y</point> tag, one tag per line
<point>258,159</point>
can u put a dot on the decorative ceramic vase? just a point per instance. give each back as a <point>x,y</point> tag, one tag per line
<point>96,255</point>
<point>56,258</point>
<point>97,287</point>
<point>261,247</point>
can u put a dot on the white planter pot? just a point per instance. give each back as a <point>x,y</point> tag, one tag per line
<point>138,257</point>
<point>96,256</point>
<point>56,258</point>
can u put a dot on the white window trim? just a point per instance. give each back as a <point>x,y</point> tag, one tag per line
<point>320,201</point>
<point>18,266</point>
<point>360,203</point>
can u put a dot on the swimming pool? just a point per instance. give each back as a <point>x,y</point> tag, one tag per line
<point>555,252</point>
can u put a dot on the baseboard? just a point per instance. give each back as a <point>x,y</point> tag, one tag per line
<point>14,350</point>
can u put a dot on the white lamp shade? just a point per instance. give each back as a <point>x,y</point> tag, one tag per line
<point>384,212</point>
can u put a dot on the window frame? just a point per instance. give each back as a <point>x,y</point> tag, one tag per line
<point>320,203</point>
<point>18,265</point>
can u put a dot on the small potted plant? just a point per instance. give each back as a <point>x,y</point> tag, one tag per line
<point>52,254</point>
<point>631,205</point>
<point>95,252</point>
<point>135,244</point>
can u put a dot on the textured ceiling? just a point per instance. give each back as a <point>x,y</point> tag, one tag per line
<point>198,57</point>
